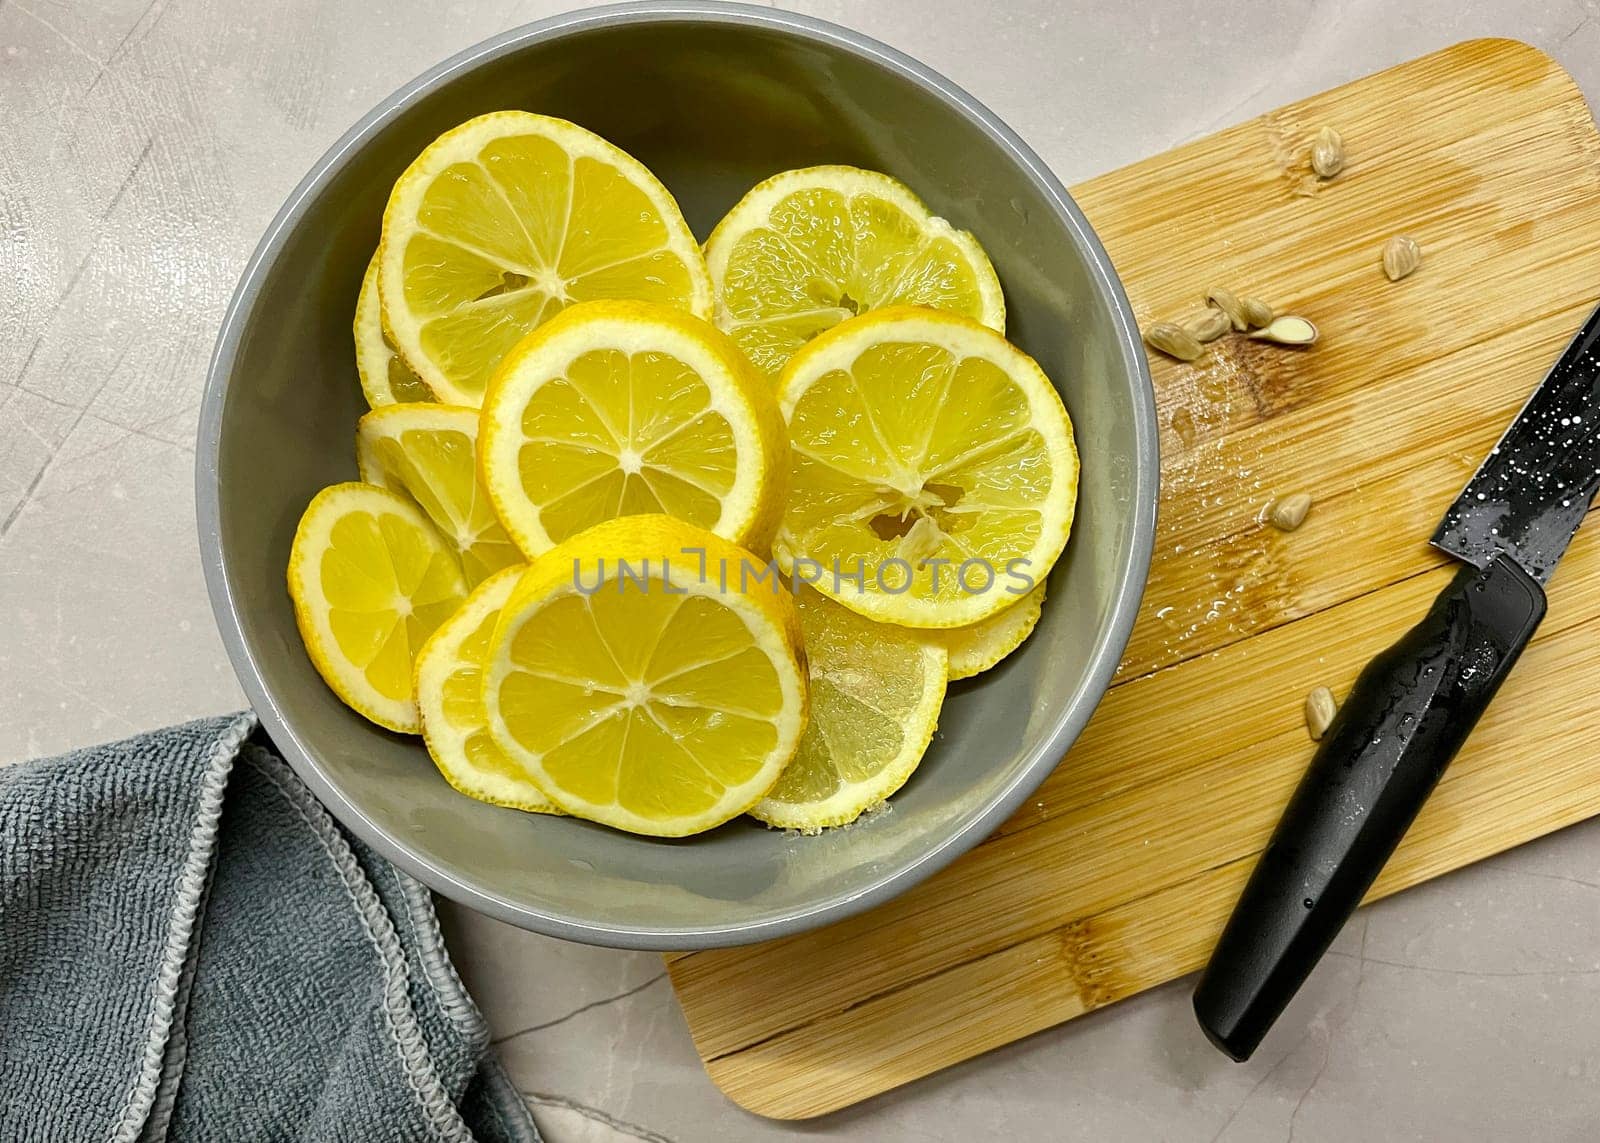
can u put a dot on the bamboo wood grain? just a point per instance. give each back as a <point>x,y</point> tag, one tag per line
<point>1118,874</point>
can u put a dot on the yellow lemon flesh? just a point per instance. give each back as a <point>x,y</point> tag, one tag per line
<point>371,579</point>
<point>631,704</point>
<point>976,648</point>
<point>385,379</point>
<point>449,686</point>
<point>933,472</point>
<point>807,249</point>
<point>876,691</point>
<point>429,451</point>
<point>506,220</point>
<point>627,408</point>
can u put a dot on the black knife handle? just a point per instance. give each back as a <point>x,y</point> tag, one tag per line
<point>1408,713</point>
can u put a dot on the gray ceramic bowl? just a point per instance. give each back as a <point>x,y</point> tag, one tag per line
<point>713,98</point>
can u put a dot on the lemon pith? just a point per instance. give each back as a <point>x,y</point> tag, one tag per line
<point>370,579</point>
<point>627,408</point>
<point>809,248</point>
<point>429,452</point>
<point>930,458</point>
<point>385,378</point>
<point>630,704</point>
<point>507,219</point>
<point>449,688</point>
<point>876,691</point>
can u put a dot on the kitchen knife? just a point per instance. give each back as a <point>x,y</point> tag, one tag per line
<point>1413,705</point>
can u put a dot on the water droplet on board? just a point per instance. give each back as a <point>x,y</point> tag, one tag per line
<point>1182,422</point>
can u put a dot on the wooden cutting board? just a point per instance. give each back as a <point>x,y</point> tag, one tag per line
<point>1119,874</point>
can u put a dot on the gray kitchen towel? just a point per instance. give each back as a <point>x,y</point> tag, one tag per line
<point>192,949</point>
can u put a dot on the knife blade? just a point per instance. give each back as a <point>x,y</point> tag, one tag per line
<point>1529,496</point>
<point>1413,705</point>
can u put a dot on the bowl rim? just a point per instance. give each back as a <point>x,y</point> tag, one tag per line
<point>1038,762</point>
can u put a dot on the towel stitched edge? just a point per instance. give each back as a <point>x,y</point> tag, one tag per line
<point>454,999</point>
<point>437,1106</point>
<point>180,931</point>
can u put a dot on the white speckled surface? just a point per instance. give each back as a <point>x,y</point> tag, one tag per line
<point>144,144</point>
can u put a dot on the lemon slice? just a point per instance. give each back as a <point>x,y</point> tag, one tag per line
<point>504,221</point>
<point>429,451</point>
<point>976,648</point>
<point>449,686</point>
<point>876,691</point>
<point>933,473</point>
<point>657,702</point>
<point>370,579</point>
<point>809,248</point>
<point>622,408</point>
<point>385,379</point>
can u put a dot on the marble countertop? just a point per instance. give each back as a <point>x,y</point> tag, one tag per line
<point>146,143</point>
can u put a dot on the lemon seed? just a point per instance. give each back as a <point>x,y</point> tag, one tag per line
<point>1288,512</point>
<point>1320,709</point>
<point>1257,314</point>
<point>1288,329</point>
<point>1225,301</point>
<point>1401,257</point>
<point>1207,324</point>
<point>1327,153</point>
<point>1173,340</point>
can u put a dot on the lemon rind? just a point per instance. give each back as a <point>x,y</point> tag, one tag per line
<point>838,348</point>
<point>856,798</point>
<point>973,651</point>
<point>425,416</point>
<point>393,419</point>
<point>372,352</point>
<point>464,143</point>
<point>753,506</point>
<point>772,619</point>
<point>755,209</point>
<point>311,540</point>
<point>435,663</point>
